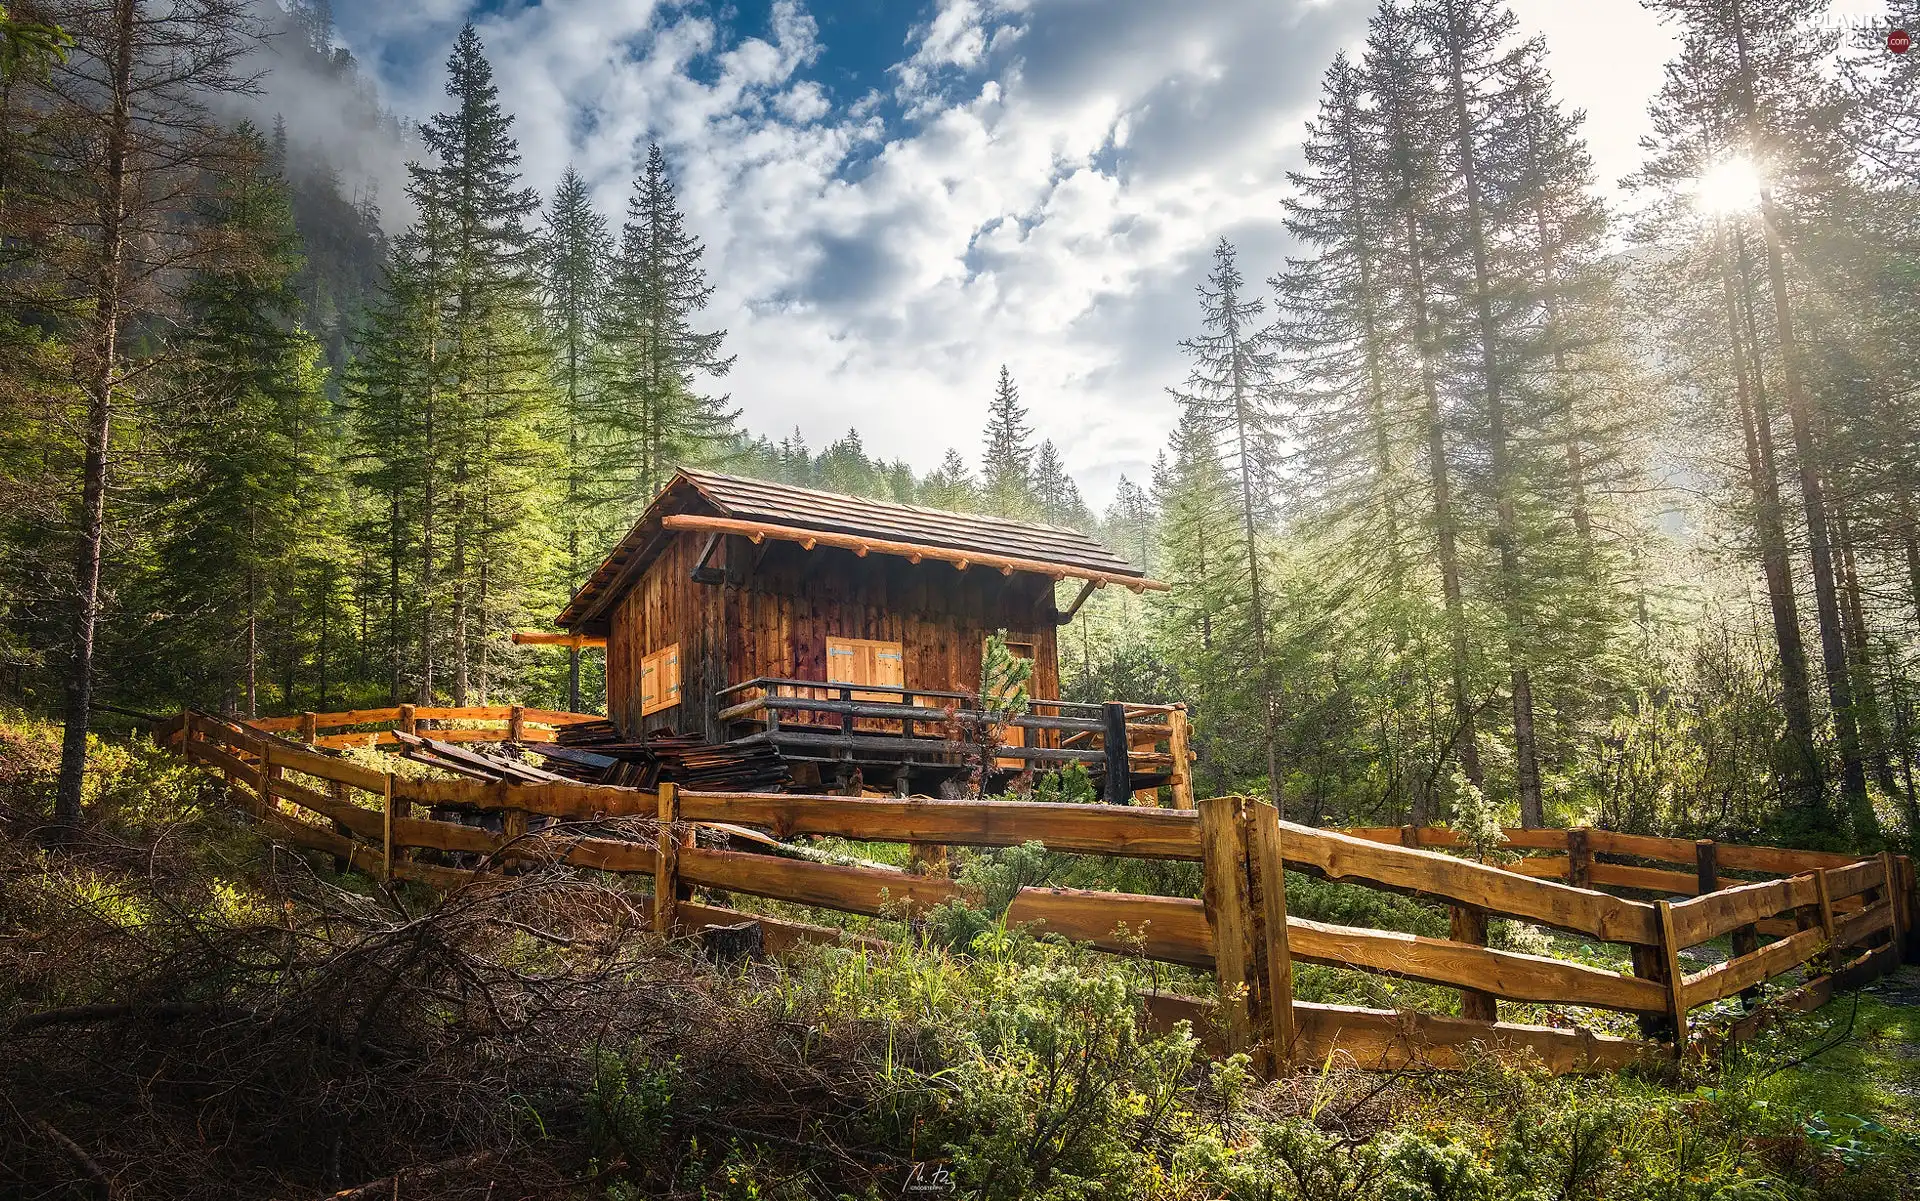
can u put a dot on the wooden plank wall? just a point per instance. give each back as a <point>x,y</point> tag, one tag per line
<point>781,603</point>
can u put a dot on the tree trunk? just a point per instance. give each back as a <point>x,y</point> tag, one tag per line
<point>1833,651</point>
<point>109,274</point>
<point>1798,759</point>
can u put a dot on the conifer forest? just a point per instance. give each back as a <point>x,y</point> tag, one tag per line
<point>1482,488</point>
<point>1493,773</point>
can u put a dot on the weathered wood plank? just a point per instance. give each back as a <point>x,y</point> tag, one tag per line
<point>552,800</point>
<point>1089,829</point>
<point>1167,929</point>
<point>1539,867</point>
<point>1862,924</point>
<point>1649,879</point>
<point>1855,878</point>
<point>1731,976</point>
<point>1383,1040</point>
<point>849,889</point>
<point>1507,974</point>
<point>1703,918</point>
<point>1561,906</point>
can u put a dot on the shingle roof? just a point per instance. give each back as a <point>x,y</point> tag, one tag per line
<point>830,512</point>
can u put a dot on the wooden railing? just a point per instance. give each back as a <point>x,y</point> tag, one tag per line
<point>861,717</point>
<point>1846,919</point>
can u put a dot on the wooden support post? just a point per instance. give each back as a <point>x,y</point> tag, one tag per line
<point>309,727</point>
<point>1229,913</point>
<point>1706,865</point>
<point>1821,887</point>
<point>1119,776</point>
<point>1579,858</point>
<point>1178,736</point>
<point>517,724</point>
<point>666,863</point>
<point>1907,904</point>
<point>1270,882</point>
<point>1676,986</point>
<point>406,723</point>
<point>1890,868</point>
<point>1410,837</point>
<point>1468,924</point>
<point>386,828</point>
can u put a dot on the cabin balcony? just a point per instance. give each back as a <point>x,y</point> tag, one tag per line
<point>868,736</point>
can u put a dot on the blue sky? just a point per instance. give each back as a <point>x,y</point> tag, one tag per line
<point>897,198</point>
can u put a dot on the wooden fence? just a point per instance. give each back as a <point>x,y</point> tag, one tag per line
<point>1840,919</point>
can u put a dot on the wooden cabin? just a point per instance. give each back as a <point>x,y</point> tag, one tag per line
<point>835,627</point>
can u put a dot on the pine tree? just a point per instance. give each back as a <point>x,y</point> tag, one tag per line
<point>652,354</point>
<point>1231,395</point>
<point>1006,462</point>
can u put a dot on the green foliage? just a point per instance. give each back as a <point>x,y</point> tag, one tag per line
<point>1069,785</point>
<point>628,1105</point>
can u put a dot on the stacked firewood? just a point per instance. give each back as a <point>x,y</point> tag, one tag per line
<point>595,752</point>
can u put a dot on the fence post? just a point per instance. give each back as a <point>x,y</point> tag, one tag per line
<point>1907,905</point>
<point>386,828</point>
<point>309,727</point>
<point>1270,881</point>
<point>1826,916</point>
<point>1579,858</point>
<point>517,724</point>
<point>1119,782</point>
<point>1706,865</point>
<point>1229,913</point>
<point>1468,924</point>
<point>407,723</point>
<point>1177,738</point>
<point>666,860</point>
<point>1676,983</point>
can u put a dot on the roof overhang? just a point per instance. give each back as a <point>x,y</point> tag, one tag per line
<point>759,531</point>
<point>697,502</point>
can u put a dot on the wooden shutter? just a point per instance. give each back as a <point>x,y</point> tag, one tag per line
<point>649,684</point>
<point>660,680</point>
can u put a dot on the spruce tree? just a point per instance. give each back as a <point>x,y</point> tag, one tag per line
<point>495,363</point>
<point>1006,462</point>
<point>653,357</point>
<point>949,486</point>
<point>1231,395</point>
<point>574,260</point>
<point>1056,497</point>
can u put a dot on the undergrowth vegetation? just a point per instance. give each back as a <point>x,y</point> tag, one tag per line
<point>195,1013</point>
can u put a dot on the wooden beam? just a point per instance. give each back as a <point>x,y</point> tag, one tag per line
<point>809,539</point>
<point>546,638</point>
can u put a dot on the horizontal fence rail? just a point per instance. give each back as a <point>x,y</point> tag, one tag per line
<point>1838,919</point>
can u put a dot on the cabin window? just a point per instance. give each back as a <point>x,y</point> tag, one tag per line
<point>660,680</point>
<point>867,661</point>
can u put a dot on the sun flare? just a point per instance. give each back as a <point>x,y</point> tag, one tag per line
<point>1729,187</point>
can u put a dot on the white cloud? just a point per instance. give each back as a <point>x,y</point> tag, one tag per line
<point>1041,185</point>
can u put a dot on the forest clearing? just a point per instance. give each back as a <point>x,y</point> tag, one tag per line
<point>1413,698</point>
